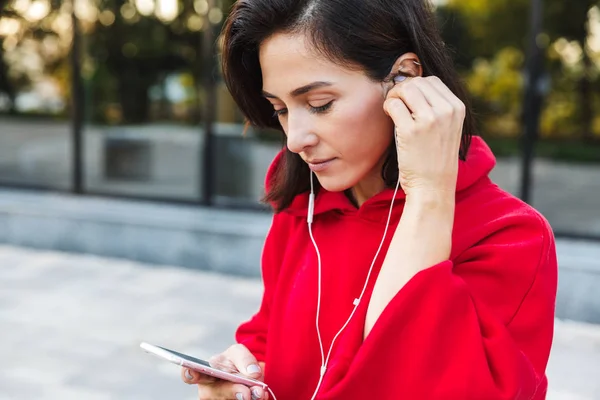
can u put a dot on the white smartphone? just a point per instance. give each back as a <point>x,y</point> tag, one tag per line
<point>199,365</point>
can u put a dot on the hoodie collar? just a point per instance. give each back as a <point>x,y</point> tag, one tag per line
<point>480,161</point>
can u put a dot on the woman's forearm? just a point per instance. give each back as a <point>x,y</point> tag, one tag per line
<point>423,238</point>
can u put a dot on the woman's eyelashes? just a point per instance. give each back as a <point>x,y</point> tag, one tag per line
<point>321,109</point>
<point>315,110</point>
<point>280,112</point>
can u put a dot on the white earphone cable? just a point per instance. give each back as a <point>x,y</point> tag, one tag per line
<point>325,360</point>
<point>272,394</point>
<point>311,208</point>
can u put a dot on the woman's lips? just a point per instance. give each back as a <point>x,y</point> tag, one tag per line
<point>319,165</point>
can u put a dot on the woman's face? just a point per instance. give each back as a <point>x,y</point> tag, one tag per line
<point>329,113</point>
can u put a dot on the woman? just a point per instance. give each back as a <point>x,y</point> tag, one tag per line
<point>444,289</point>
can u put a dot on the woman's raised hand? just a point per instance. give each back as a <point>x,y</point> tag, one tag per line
<point>429,121</point>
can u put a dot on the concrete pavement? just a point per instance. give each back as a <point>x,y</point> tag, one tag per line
<point>70,328</point>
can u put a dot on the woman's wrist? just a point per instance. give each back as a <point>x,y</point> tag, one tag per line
<point>431,200</point>
<point>427,223</point>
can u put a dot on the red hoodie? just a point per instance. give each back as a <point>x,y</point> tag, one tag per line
<point>477,326</point>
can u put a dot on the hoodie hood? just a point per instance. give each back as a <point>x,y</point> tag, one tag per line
<point>480,161</point>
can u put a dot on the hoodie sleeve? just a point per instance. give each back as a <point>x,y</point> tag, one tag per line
<point>479,327</point>
<point>253,333</point>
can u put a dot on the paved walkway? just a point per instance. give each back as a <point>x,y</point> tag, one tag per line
<point>70,326</point>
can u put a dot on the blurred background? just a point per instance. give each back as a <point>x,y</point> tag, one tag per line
<point>124,98</point>
<point>127,185</point>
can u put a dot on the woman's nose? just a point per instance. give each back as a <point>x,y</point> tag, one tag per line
<point>300,134</point>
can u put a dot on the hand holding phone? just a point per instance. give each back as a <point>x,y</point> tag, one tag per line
<point>220,377</point>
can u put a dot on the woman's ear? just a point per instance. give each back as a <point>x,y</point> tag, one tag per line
<point>408,64</point>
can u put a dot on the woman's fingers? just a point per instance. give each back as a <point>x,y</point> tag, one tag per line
<point>427,102</point>
<point>453,113</point>
<point>436,99</point>
<point>458,105</point>
<point>224,391</point>
<point>193,377</point>
<point>236,359</point>
<point>257,392</point>
<point>222,362</point>
<point>422,94</point>
<point>442,88</point>
<point>212,388</point>
<point>412,96</point>
<point>244,361</point>
<point>397,110</point>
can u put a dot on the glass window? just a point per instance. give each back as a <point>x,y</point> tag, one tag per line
<point>490,49</point>
<point>35,128</point>
<point>241,158</point>
<point>144,87</point>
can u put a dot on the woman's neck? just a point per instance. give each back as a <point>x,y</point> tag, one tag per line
<point>365,189</point>
<point>368,186</point>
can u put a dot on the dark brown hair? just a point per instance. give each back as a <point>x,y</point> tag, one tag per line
<point>366,34</point>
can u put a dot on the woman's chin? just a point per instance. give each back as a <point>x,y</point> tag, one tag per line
<point>333,184</point>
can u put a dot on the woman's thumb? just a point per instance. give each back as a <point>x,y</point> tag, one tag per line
<point>396,109</point>
<point>245,361</point>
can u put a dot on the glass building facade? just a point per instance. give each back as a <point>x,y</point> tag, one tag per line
<point>125,98</point>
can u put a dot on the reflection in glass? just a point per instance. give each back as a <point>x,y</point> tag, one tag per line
<point>35,40</point>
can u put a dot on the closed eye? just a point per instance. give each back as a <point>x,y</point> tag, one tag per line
<point>321,109</point>
<point>315,110</point>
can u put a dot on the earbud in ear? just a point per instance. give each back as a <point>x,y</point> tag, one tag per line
<point>401,75</point>
<point>399,78</point>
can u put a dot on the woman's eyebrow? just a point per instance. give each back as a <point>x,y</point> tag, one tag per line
<point>301,90</point>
